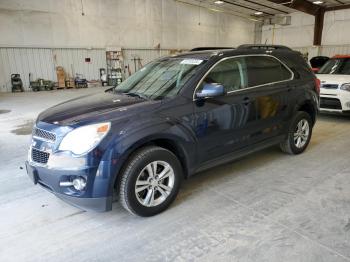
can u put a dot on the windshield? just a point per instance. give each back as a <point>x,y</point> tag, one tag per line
<point>336,66</point>
<point>160,79</point>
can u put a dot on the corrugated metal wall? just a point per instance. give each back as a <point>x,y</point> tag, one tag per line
<point>23,61</point>
<point>326,50</point>
<point>146,56</point>
<point>332,50</point>
<point>41,62</point>
<point>73,61</point>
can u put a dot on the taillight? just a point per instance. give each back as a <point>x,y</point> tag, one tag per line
<point>317,85</point>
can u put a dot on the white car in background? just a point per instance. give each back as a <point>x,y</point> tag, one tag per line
<point>335,85</point>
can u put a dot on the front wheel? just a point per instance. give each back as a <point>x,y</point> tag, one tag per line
<point>150,181</point>
<point>299,134</point>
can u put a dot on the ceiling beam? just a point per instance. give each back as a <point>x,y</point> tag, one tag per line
<point>305,6</point>
<point>318,28</point>
<point>246,7</point>
<point>339,7</point>
<point>266,6</point>
<point>300,5</point>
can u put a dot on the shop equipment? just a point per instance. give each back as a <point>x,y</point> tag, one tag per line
<point>80,81</point>
<point>103,76</point>
<point>41,85</point>
<point>115,65</point>
<point>16,82</point>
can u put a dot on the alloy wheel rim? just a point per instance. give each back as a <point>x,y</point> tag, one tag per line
<point>154,183</point>
<point>301,134</point>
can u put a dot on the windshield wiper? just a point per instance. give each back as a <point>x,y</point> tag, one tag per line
<point>134,94</point>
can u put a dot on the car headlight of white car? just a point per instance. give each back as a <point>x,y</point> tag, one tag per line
<point>83,139</point>
<point>345,87</point>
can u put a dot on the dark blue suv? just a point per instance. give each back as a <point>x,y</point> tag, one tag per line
<point>176,116</point>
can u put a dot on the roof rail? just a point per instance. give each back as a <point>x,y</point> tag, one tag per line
<point>264,47</point>
<point>209,48</point>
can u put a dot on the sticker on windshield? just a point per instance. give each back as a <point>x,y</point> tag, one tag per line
<point>191,61</point>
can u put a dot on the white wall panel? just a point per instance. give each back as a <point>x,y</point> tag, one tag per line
<point>42,62</point>
<point>331,50</point>
<point>146,55</point>
<point>73,61</point>
<point>129,23</point>
<point>300,32</point>
<point>326,50</point>
<point>23,61</point>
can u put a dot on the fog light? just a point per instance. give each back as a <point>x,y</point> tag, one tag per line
<point>79,183</point>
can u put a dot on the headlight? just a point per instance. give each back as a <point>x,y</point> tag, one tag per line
<point>345,87</point>
<point>83,139</point>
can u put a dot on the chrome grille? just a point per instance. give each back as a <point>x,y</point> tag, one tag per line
<point>329,86</point>
<point>40,157</point>
<point>46,135</point>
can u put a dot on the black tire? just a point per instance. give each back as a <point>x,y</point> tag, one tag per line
<point>137,162</point>
<point>288,145</point>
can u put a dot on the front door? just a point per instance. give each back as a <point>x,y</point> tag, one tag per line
<point>223,124</point>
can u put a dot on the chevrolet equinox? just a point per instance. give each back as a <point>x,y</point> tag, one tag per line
<point>177,116</point>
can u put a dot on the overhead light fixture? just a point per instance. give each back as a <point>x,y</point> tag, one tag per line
<point>218,2</point>
<point>258,13</point>
<point>317,2</point>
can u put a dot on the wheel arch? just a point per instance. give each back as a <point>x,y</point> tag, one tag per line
<point>170,143</point>
<point>308,107</point>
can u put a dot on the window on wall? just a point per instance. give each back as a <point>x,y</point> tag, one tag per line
<point>264,69</point>
<point>230,73</point>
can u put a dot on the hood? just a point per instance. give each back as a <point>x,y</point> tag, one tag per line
<point>333,79</point>
<point>99,107</point>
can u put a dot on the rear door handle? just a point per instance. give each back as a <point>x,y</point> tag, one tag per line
<point>246,101</point>
<point>290,87</point>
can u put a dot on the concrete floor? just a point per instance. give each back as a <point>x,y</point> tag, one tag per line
<point>266,207</point>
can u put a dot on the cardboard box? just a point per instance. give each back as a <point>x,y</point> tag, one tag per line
<point>61,77</point>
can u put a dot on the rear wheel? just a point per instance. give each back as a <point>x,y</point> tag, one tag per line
<point>299,134</point>
<point>150,181</point>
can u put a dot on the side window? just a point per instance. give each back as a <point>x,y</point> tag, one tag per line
<point>263,70</point>
<point>230,73</point>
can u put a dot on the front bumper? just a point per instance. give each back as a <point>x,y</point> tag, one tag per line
<point>100,204</point>
<point>48,167</point>
<point>96,196</point>
<point>335,101</point>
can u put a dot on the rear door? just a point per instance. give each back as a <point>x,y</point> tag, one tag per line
<point>272,85</point>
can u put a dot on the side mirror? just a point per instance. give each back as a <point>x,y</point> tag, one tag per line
<point>211,90</point>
